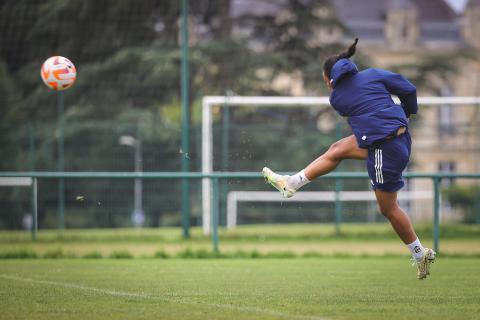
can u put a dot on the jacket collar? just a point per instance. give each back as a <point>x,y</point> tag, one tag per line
<point>342,68</point>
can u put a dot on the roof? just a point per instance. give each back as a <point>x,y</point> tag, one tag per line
<point>368,10</point>
<point>435,10</point>
<point>428,10</point>
<point>255,7</point>
<point>400,4</point>
<point>366,18</point>
<point>473,3</point>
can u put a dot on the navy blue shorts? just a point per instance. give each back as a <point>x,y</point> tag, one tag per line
<point>386,162</point>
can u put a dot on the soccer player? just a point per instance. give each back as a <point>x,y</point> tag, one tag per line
<point>380,136</point>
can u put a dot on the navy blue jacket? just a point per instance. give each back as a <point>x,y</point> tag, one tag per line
<point>365,98</point>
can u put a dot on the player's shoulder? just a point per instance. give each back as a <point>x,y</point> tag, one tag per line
<point>366,74</point>
<point>375,73</point>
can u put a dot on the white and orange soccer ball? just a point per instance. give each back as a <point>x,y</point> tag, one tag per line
<point>58,73</point>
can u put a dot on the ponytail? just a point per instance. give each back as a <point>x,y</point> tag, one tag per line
<point>349,52</point>
<point>328,65</point>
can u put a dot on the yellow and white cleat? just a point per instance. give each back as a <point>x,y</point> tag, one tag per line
<point>279,182</point>
<point>423,265</point>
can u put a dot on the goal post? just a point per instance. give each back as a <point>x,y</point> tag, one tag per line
<point>265,101</point>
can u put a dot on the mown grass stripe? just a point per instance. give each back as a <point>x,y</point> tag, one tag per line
<point>117,293</point>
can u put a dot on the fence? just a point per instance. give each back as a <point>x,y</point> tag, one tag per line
<point>214,177</point>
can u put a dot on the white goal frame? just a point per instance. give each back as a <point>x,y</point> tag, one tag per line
<point>241,101</point>
<point>25,182</point>
<point>234,197</point>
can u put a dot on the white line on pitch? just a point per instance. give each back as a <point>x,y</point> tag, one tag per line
<point>127,294</point>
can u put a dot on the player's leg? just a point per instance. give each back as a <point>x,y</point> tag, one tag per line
<point>388,205</point>
<point>346,148</point>
<point>385,165</point>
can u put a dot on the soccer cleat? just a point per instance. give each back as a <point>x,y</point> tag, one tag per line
<point>279,182</point>
<point>423,265</point>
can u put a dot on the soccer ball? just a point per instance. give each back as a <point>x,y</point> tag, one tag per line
<point>58,73</point>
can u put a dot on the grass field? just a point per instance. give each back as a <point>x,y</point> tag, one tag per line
<point>317,288</point>
<point>284,272</point>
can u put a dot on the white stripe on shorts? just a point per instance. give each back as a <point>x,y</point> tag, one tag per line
<point>381,165</point>
<point>378,165</point>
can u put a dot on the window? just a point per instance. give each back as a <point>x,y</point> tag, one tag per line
<point>445,115</point>
<point>446,167</point>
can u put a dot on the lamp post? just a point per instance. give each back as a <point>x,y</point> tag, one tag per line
<point>138,216</point>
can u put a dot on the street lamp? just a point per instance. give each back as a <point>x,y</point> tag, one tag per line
<point>138,215</point>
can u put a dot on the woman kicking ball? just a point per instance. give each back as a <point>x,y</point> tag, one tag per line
<point>380,136</point>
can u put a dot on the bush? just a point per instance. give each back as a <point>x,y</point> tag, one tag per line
<point>92,255</point>
<point>198,254</point>
<point>121,255</point>
<point>161,254</point>
<point>281,255</point>
<point>54,254</point>
<point>467,198</point>
<point>18,254</point>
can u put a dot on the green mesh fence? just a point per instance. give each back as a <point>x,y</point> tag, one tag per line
<point>127,54</point>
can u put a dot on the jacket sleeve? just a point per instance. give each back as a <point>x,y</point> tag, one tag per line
<point>407,93</point>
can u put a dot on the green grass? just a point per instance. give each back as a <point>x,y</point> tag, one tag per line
<point>316,288</point>
<point>253,240</point>
<point>280,232</point>
<point>306,272</point>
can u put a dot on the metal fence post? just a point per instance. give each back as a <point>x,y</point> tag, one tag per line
<point>31,146</point>
<point>225,152</point>
<point>436,213</point>
<point>215,208</point>
<point>35,208</point>
<point>60,164</point>
<point>338,206</point>
<point>338,185</point>
<point>476,210</point>
<point>185,119</point>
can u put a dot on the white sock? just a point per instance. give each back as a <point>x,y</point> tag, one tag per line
<point>298,180</point>
<point>416,249</point>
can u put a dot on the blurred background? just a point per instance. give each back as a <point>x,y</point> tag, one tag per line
<point>124,112</point>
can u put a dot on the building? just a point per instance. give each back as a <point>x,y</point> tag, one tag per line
<point>395,32</point>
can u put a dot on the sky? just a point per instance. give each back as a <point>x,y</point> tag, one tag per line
<point>457,5</point>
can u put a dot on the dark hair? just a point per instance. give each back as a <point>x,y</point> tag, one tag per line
<point>328,65</point>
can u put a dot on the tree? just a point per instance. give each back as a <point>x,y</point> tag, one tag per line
<point>128,61</point>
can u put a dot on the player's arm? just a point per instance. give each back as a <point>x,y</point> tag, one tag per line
<point>407,93</point>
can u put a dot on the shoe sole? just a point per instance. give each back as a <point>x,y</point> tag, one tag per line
<point>266,172</point>
<point>428,261</point>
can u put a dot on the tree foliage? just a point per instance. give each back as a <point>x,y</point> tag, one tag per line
<point>128,60</point>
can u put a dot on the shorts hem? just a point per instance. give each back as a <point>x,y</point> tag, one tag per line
<point>390,188</point>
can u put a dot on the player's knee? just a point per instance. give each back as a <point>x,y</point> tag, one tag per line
<point>388,211</point>
<point>336,151</point>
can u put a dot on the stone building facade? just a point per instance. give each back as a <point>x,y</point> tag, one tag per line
<point>446,137</point>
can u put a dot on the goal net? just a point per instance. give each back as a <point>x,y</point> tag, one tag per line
<point>288,132</point>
